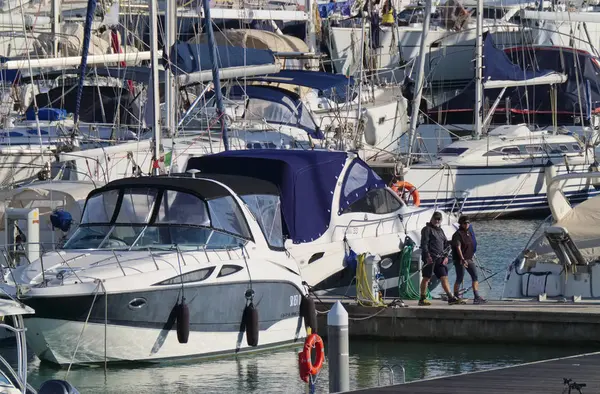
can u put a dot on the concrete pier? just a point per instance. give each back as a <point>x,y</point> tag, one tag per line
<point>496,322</point>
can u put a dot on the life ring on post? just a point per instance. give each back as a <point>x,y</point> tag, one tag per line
<point>307,368</point>
<point>402,188</point>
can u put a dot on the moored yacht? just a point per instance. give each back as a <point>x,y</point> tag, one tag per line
<point>149,248</point>
<point>502,173</point>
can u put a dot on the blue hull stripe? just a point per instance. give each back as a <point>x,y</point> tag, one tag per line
<point>496,203</point>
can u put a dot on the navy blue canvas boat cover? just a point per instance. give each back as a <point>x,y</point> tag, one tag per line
<point>306,181</point>
<point>187,58</point>
<point>497,66</point>
<point>579,95</point>
<point>338,87</point>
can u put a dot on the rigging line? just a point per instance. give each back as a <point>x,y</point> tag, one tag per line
<point>35,106</point>
<point>83,329</point>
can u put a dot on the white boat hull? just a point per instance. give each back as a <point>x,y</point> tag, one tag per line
<point>56,341</point>
<point>492,191</point>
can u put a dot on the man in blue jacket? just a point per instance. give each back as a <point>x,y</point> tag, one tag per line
<point>434,253</point>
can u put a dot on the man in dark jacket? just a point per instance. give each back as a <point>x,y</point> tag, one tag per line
<point>463,251</point>
<point>434,253</point>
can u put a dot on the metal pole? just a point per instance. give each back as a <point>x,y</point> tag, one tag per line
<point>478,71</point>
<point>155,99</point>
<point>170,93</point>
<point>338,351</point>
<point>55,26</point>
<point>87,34</point>
<point>215,72</point>
<point>414,116</point>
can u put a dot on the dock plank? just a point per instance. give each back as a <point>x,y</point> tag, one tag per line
<point>540,377</point>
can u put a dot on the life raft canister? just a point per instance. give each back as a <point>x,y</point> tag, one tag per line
<point>402,187</point>
<point>307,368</point>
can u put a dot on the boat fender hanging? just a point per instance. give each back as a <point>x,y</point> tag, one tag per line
<point>251,323</point>
<point>183,322</point>
<point>405,190</point>
<point>309,313</point>
<point>307,368</point>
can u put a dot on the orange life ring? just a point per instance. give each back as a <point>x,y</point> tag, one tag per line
<point>304,357</point>
<point>400,186</point>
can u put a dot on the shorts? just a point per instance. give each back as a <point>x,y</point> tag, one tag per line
<point>460,270</point>
<point>436,268</point>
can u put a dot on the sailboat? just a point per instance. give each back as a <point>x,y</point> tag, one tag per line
<point>502,172</point>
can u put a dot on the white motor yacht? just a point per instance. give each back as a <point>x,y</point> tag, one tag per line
<point>248,229</point>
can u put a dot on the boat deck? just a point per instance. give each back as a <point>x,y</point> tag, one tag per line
<point>540,377</point>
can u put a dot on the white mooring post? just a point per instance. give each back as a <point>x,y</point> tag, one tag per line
<point>338,349</point>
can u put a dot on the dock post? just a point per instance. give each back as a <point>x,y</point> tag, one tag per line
<point>338,349</point>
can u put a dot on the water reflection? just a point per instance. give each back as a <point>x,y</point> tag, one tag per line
<point>277,371</point>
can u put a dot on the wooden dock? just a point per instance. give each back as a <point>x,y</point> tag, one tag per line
<point>542,377</point>
<point>495,322</point>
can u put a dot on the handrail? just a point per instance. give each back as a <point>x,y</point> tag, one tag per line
<point>4,250</point>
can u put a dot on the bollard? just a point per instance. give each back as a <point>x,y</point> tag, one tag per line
<point>338,349</point>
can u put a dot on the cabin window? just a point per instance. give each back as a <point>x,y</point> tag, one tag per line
<point>100,208</point>
<point>228,269</point>
<point>450,151</point>
<point>267,211</point>
<point>356,179</point>
<point>225,215</point>
<point>136,206</point>
<point>576,148</point>
<point>378,201</point>
<point>533,149</point>
<point>511,150</point>
<point>189,277</point>
<point>563,148</point>
<point>182,208</point>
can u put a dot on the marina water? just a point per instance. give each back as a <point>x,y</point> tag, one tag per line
<point>277,371</point>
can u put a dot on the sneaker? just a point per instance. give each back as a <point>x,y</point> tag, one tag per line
<point>456,301</point>
<point>479,300</point>
<point>424,303</point>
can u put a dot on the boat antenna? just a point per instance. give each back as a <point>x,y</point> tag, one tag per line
<point>215,72</point>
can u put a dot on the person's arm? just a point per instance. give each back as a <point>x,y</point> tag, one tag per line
<point>425,245</point>
<point>458,248</point>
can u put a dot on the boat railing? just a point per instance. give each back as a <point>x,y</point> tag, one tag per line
<point>13,253</point>
<point>364,223</point>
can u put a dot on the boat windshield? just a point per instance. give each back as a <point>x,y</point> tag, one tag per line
<point>142,218</point>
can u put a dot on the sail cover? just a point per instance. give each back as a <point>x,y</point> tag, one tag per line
<point>187,58</point>
<point>580,94</point>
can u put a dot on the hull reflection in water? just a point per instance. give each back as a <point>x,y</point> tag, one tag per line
<point>277,371</point>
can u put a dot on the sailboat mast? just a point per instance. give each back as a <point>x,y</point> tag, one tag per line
<point>87,33</point>
<point>170,92</point>
<point>414,116</point>
<point>478,72</point>
<point>154,99</point>
<point>215,72</point>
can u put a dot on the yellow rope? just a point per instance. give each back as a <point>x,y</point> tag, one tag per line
<point>363,287</point>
